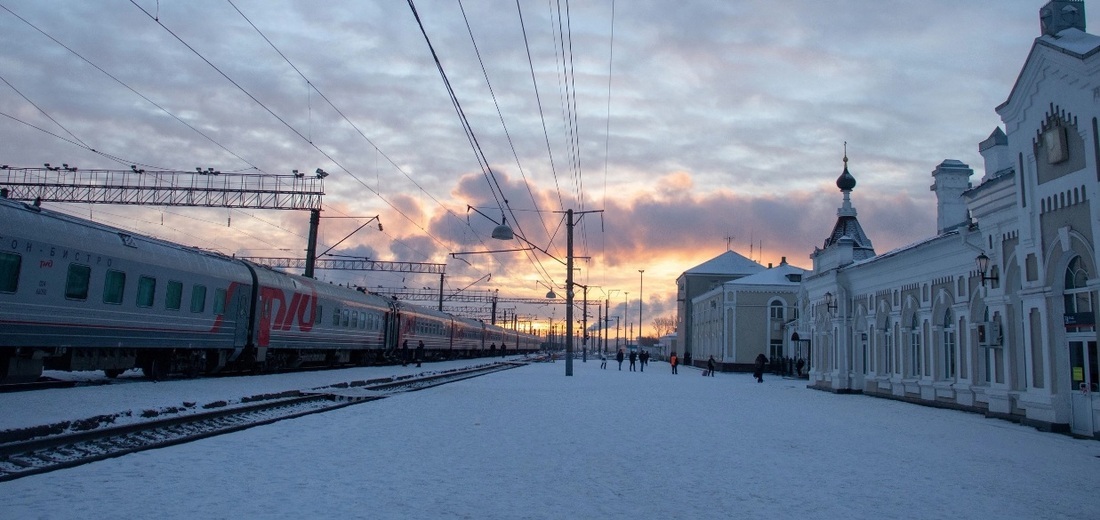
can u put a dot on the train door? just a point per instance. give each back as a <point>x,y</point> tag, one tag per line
<point>1084,381</point>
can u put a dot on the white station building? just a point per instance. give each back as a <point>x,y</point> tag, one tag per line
<point>995,313</point>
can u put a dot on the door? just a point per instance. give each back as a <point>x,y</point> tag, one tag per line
<point>1085,383</point>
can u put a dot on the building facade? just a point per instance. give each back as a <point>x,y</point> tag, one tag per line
<point>996,312</point>
<point>743,318</point>
<point>704,277</point>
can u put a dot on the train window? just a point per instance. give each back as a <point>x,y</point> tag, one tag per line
<point>9,271</point>
<point>355,320</point>
<point>198,298</point>
<point>173,294</point>
<point>219,301</point>
<point>344,320</point>
<point>147,288</point>
<point>113,285</point>
<point>335,317</point>
<point>76,283</point>
<point>362,320</point>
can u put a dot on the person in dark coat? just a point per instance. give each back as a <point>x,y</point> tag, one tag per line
<point>710,366</point>
<point>633,358</point>
<point>619,358</point>
<point>798,366</point>
<point>758,370</point>
<point>503,349</point>
<point>405,353</point>
<point>419,352</point>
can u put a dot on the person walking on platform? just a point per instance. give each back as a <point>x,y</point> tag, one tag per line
<point>603,361</point>
<point>405,353</point>
<point>633,358</point>
<point>672,361</point>
<point>710,366</point>
<point>619,358</point>
<point>503,349</point>
<point>758,369</point>
<point>641,360</point>
<point>419,352</point>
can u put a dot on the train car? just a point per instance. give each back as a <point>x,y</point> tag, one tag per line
<point>300,321</point>
<point>78,295</point>
<point>434,328</point>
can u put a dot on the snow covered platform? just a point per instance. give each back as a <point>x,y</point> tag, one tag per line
<point>532,443</point>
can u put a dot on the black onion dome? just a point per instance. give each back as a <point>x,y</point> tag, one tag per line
<point>845,182</point>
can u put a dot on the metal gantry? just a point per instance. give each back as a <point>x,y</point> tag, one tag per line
<point>201,188</point>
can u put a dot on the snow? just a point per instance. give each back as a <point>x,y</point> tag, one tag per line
<point>532,443</point>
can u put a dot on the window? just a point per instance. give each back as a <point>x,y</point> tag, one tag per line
<point>344,318</point>
<point>355,319</point>
<point>198,298</point>
<point>335,317</point>
<point>1078,297</point>
<point>220,301</point>
<point>914,348</point>
<point>948,346</point>
<point>76,283</point>
<point>173,295</point>
<point>9,272</point>
<point>888,347</point>
<point>147,288</point>
<point>777,310</point>
<point>113,286</point>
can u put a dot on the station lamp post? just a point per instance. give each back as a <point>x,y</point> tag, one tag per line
<point>640,301</point>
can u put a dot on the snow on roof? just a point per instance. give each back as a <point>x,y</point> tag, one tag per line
<point>1074,41</point>
<point>729,262</point>
<point>778,275</point>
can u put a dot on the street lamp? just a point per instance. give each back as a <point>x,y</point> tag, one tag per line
<point>830,302</point>
<point>641,300</point>
<point>983,266</point>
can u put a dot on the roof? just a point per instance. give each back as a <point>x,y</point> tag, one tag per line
<point>730,263</point>
<point>777,275</point>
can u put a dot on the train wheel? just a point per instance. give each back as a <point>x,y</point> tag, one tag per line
<point>156,368</point>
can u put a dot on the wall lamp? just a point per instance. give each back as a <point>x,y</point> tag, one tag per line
<point>830,301</point>
<point>983,266</point>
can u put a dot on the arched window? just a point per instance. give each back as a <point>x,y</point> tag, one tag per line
<point>914,347</point>
<point>1078,297</point>
<point>948,345</point>
<point>888,347</point>
<point>777,310</point>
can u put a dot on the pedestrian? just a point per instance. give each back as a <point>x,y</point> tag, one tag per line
<point>710,366</point>
<point>758,370</point>
<point>419,352</point>
<point>672,361</point>
<point>405,353</point>
<point>603,360</point>
<point>619,357</point>
<point>503,349</point>
<point>798,366</point>
<point>633,358</point>
<point>641,360</point>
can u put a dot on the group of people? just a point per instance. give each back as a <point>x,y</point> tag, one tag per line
<point>638,359</point>
<point>784,366</point>
<point>419,353</point>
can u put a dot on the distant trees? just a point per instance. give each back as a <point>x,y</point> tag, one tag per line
<point>663,325</point>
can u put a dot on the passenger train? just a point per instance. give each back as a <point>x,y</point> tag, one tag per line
<point>79,295</point>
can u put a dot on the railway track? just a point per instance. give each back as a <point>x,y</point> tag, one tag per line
<point>41,455</point>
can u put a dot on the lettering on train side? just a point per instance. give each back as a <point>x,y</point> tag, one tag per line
<point>282,316</point>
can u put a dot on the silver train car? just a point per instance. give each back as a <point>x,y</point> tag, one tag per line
<point>78,295</point>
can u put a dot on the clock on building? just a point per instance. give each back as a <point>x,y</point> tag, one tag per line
<point>1054,143</point>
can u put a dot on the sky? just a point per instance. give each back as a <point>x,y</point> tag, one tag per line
<point>531,443</point>
<point>673,129</point>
